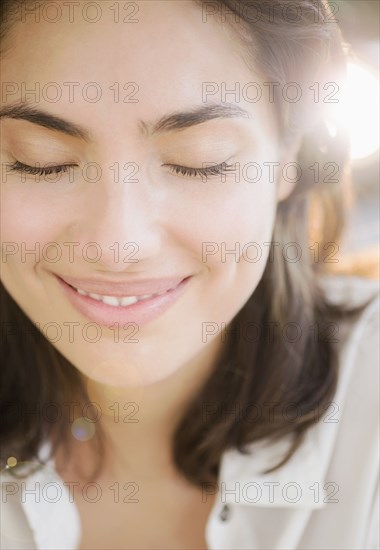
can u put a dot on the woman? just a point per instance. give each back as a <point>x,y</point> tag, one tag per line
<point>181,370</point>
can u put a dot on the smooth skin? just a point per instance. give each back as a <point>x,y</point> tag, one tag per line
<point>169,53</point>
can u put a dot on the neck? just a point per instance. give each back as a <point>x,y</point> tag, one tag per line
<point>138,423</point>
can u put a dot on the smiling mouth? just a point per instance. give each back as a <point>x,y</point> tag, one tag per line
<point>120,301</point>
<point>107,303</point>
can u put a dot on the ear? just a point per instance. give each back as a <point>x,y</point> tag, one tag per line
<point>290,170</point>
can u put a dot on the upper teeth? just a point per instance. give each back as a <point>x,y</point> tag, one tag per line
<point>118,301</point>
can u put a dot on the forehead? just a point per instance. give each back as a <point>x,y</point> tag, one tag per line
<point>166,55</point>
<point>163,42</point>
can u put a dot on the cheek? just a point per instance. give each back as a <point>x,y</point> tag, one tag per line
<point>31,221</point>
<point>235,218</point>
<point>229,211</point>
<point>31,215</point>
<point>229,230</point>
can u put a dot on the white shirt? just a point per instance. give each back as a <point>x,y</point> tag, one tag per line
<point>325,497</point>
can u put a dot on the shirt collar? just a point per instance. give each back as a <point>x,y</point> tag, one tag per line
<point>301,482</point>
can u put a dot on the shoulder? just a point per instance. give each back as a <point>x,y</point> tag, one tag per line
<point>344,432</point>
<point>357,336</point>
<point>28,498</point>
<point>350,291</point>
<point>356,401</point>
<point>338,456</point>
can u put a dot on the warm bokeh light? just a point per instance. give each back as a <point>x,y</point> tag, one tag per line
<point>358,110</point>
<point>11,462</point>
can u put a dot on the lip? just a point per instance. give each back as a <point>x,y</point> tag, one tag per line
<point>140,313</point>
<point>136,288</point>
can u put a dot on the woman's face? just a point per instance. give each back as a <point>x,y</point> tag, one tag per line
<point>124,222</point>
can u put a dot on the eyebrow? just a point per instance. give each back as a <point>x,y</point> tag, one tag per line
<point>24,111</point>
<point>172,122</point>
<point>199,114</point>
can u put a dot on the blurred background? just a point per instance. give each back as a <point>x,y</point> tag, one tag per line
<point>359,21</point>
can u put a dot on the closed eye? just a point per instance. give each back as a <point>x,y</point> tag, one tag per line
<point>214,170</point>
<point>40,170</point>
<point>187,171</point>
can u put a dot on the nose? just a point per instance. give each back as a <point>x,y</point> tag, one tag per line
<point>119,220</point>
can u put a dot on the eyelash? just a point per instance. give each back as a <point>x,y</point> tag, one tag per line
<point>215,170</point>
<point>40,170</point>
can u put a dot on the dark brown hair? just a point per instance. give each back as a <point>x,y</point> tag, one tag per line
<point>251,372</point>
